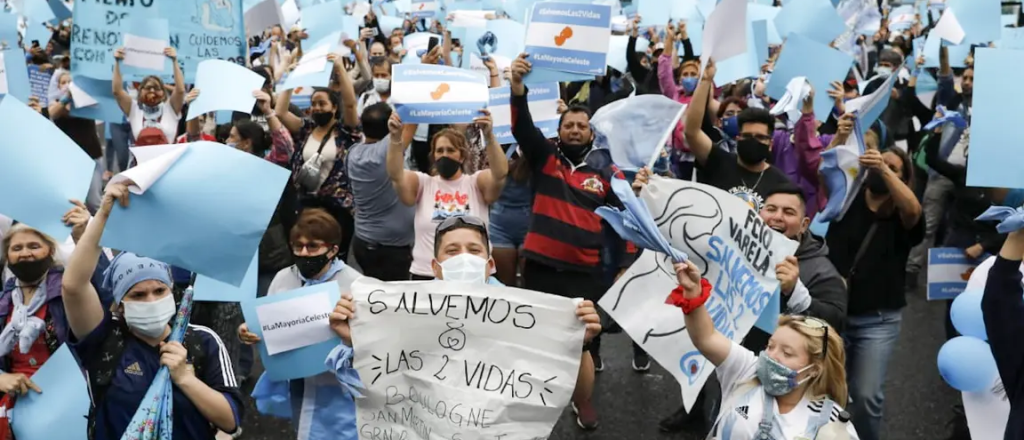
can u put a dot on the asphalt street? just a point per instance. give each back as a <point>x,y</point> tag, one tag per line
<point>918,403</point>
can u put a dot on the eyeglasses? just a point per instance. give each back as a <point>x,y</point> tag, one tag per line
<point>310,248</point>
<point>762,138</point>
<point>151,87</point>
<point>451,223</point>
<point>817,324</point>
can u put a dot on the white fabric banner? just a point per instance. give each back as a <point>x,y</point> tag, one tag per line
<point>735,251</point>
<point>457,361</point>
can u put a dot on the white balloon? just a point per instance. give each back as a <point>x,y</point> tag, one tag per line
<point>980,274</point>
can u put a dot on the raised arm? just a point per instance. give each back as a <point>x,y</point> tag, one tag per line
<point>696,139</point>
<point>709,342</point>
<point>666,74</point>
<point>124,101</point>
<point>933,158</point>
<point>406,183</point>
<point>808,145</point>
<point>81,301</point>
<point>178,95</point>
<point>491,180</point>
<point>290,121</point>
<point>349,112</point>
<point>532,143</point>
<point>1002,308</point>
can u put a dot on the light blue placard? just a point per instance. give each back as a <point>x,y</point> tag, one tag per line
<point>465,91</point>
<point>152,28</point>
<point>388,23</point>
<point>757,12</point>
<point>931,50</point>
<point>684,10</point>
<point>39,83</point>
<point>17,75</point>
<point>199,30</point>
<point>47,175</point>
<point>206,214</point>
<point>996,151</point>
<point>321,20</point>
<point>829,65</point>
<point>224,86</point>
<point>224,116</point>
<point>60,411</point>
<point>1012,38</point>
<point>59,9</point>
<point>538,75</point>
<point>8,31</point>
<point>38,11</point>
<point>302,362</point>
<point>745,65</point>
<point>500,104</point>
<point>548,52</point>
<point>653,12</point>
<point>958,54</point>
<point>424,8</point>
<point>509,36</point>
<point>980,19</point>
<point>814,19</point>
<point>106,108</point>
<point>37,32</point>
<point>319,78</point>
<point>760,30</point>
<point>948,271</point>
<point>209,289</point>
<point>769,318</point>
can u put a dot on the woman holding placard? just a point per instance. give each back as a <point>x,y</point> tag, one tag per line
<point>122,347</point>
<point>320,409</point>
<point>790,390</point>
<point>153,114</point>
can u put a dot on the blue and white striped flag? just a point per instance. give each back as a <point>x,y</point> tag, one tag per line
<point>424,9</point>
<point>569,37</point>
<point>543,99</point>
<point>948,272</point>
<point>425,94</point>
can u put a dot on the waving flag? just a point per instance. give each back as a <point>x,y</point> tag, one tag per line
<point>840,170</point>
<point>635,223</point>
<point>569,37</point>
<point>634,129</point>
<point>152,421</point>
<point>425,94</point>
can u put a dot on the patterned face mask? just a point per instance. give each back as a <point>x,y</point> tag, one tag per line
<point>777,379</point>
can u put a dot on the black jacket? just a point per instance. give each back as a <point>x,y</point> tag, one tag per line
<point>827,288</point>
<point>1003,310</point>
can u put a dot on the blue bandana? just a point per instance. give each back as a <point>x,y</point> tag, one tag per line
<point>128,269</point>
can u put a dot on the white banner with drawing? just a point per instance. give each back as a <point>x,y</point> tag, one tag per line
<point>735,251</point>
<point>987,411</point>
<point>462,361</point>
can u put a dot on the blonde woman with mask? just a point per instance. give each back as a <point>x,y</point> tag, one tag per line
<point>790,391</point>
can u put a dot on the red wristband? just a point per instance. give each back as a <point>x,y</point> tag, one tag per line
<point>677,297</point>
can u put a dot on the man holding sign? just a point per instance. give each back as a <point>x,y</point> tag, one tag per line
<point>461,383</point>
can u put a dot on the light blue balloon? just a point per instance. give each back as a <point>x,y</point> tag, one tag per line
<point>966,364</point>
<point>966,314</point>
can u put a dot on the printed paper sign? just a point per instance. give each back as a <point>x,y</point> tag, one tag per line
<point>144,53</point>
<point>570,37</point>
<point>543,102</point>
<point>39,82</point>
<point>949,269</point>
<point>458,361</point>
<point>423,9</point>
<point>426,94</point>
<point>296,323</point>
<point>735,251</point>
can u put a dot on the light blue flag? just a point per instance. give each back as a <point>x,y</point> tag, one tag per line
<point>868,108</point>
<point>425,94</point>
<point>17,75</point>
<point>769,318</point>
<point>926,88</point>
<point>321,20</point>
<point>224,86</point>
<point>980,19</point>
<point>47,175</point>
<point>155,29</point>
<point>635,129</point>
<point>8,31</point>
<point>313,69</point>
<point>1012,38</point>
<point>634,222</point>
<point>814,19</point>
<point>757,12</point>
<point>569,37</point>
<point>106,108</point>
<point>206,214</point>
<point>543,102</point>
<point>306,361</point>
<point>829,65</point>
<point>840,172</point>
<point>995,150</point>
<point>199,30</point>
<point>209,289</point>
<point>60,411</point>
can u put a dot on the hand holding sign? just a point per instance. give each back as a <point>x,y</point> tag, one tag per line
<point>339,318</point>
<point>587,314</point>
<point>788,273</point>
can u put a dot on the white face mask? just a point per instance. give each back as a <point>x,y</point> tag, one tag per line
<point>149,318</point>
<point>883,72</point>
<point>397,49</point>
<point>381,85</point>
<point>466,268</point>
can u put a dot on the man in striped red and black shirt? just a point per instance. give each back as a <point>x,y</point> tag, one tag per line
<point>565,240</point>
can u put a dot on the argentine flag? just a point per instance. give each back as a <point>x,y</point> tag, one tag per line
<point>425,94</point>
<point>543,99</point>
<point>841,173</point>
<point>569,37</point>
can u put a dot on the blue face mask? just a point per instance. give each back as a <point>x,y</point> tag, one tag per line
<point>731,126</point>
<point>690,84</point>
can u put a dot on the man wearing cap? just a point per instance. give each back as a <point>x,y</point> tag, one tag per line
<point>122,348</point>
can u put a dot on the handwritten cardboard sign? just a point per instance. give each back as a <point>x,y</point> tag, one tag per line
<point>734,249</point>
<point>462,361</point>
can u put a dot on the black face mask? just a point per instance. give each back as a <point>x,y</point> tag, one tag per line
<point>32,270</point>
<point>310,266</point>
<point>322,118</point>
<point>575,153</point>
<point>752,152</point>
<point>875,182</point>
<point>447,167</point>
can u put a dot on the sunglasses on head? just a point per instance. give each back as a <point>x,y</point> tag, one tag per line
<point>451,223</point>
<point>817,324</point>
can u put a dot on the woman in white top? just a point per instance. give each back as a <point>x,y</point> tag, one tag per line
<point>153,109</point>
<point>447,191</point>
<point>799,378</point>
